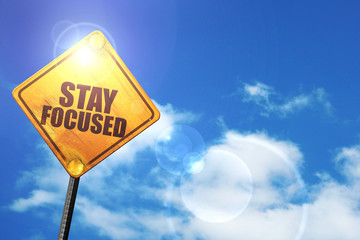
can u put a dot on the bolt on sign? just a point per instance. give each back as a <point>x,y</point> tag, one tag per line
<point>86,104</point>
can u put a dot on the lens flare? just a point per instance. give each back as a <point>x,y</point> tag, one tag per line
<point>180,149</point>
<point>193,163</point>
<point>221,191</point>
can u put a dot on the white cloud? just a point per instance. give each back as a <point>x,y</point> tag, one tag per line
<point>322,98</point>
<point>295,104</point>
<point>37,198</point>
<point>129,224</point>
<point>332,213</point>
<point>221,193</point>
<point>348,159</point>
<point>107,222</point>
<point>250,188</point>
<point>260,94</point>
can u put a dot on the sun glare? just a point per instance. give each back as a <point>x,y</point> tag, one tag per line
<point>85,56</point>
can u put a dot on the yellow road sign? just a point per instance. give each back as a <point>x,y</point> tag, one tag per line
<point>86,104</point>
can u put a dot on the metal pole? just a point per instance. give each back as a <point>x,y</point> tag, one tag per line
<point>68,208</point>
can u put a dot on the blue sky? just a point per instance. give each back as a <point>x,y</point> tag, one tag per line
<point>262,95</point>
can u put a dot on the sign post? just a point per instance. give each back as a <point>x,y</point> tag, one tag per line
<point>68,208</point>
<point>85,104</point>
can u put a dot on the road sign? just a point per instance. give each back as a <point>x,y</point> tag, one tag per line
<point>86,104</point>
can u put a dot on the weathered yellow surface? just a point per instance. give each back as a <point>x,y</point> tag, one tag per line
<point>86,104</point>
